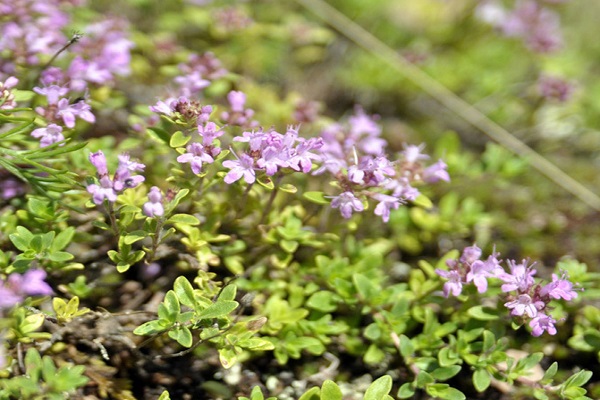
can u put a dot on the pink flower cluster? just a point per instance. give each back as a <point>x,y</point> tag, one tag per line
<point>30,33</point>
<point>529,20</point>
<point>372,175</point>
<point>16,287</point>
<point>123,179</point>
<point>527,299</point>
<point>271,152</point>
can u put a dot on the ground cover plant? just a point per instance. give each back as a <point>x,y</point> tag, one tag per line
<point>259,199</point>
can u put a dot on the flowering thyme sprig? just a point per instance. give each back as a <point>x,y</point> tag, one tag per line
<point>123,178</point>
<point>354,154</point>
<point>528,299</point>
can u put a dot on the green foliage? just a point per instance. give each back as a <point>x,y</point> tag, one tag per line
<point>66,311</point>
<point>266,277</point>
<point>46,248</point>
<point>42,379</point>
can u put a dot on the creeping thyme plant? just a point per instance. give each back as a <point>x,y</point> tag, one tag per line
<point>178,221</point>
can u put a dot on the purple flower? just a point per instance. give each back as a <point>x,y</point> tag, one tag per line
<point>17,287</point>
<point>192,83</point>
<point>164,107</point>
<point>538,26</point>
<point>242,167</point>
<point>436,172</point>
<point>542,322</point>
<point>123,178</point>
<point>52,93</point>
<point>103,191</point>
<point>236,100</point>
<point>209,132</point>
<point>302,158</point>
<point>10,186</point>
<point>555,88</point>
<point>98,160</point>
<point>68,112</point>
<point>52,76</point>
<point>49,135</point>
<point>153,207</point>
<point>195,155</point>
<point>525,304</point>
<point>520,277</point>
<point>478,274</point>
<point>385,205</point>
<point>559,288</point>
<point>347,203</point>
<point>272,159</point>
<point>413,154</point>
<point>470,254</point>
<point>454,285</point>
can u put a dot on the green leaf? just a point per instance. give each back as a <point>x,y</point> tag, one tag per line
<point>172,305</point>
<point>22,238</point>
<point>149,328</point>
<point>185,292</point>
<point>322,300</point>
<point>366,288</point>
<point>288,188</point>
<point>579,379</point>
<point>228,293</point>
<point>445,373</point>
<point>32,323</point>
<point>184,219</point>
<point>312,394</point>
<point>289,246</point>
<point>266,182</point>
<point>48,369</point>
<point>423,201</point>
<point>23,95</point>
<point>489,340</point>
<point>60,256</point>
<point>407,348</point>
<point>424,379</point>
<point>33,364</point>
<point>316,197</point>
<point>182,335</point>
<point>331,391</point>
<point>159,133</point>
<point>218,309</point>
<point>164,396</point>
<point>63,239</point>
<point>178,197</point>
<point>444,391</point>
<point>373,355</point>
<point>179,139</point>
<point>379,389</point>
<point>481,380</point>
<point>483,313</point>
<point>526,363</point>
<point>59,306</point>
<point>406,391</point>
<point>227,357</point>
<point>550,372</point>
<point>134,236</point>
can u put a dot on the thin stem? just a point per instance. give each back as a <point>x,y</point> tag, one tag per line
<point>111,215</point>
<point>269,204</point>
<point>156,239</point>
<point>74,39</point>
<point>449,99</point>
